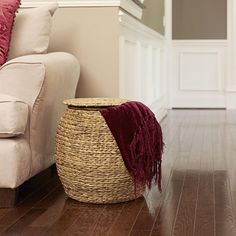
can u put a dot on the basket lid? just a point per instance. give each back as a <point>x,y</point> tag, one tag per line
<point>94,102</point>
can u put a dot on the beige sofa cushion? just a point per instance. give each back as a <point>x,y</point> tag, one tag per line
<point>31,31</point>
<point>13,116</point>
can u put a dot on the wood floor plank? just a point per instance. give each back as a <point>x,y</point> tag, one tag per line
<point>144,221</point>
<point>126,219</point>
<point>224,217</point>
<point>171,153</point>
<point>218,142</point>
<point>34,231</point>
<point>198,197</point>
<point>86,220</point>
<point>3,212</point>
<point>205,224</point>
<point>63,223</point>
<point>107,219</point>
<point>140,233</point>
<point>170,156</point>
<point>71,212</point>
<point>205,212</point>
<point>14,214</point>
<point>53,197</point>
<point>230,153</point>
<point>21,225</point>
<point>225,223</point>
<point>233,195</point>
<point>52,212</point>
<point>185,218</point>
<point>186,208</point>
<point>166,218</point>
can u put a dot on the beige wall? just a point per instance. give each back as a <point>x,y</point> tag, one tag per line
<point>199,19</point>
<point>91,34</point>
<point>153,15</point>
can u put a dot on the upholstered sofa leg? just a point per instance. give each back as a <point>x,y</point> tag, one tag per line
<point>8,197</point>
<point>12,197</point>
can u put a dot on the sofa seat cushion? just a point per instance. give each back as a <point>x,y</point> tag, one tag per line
<point>13,116</point>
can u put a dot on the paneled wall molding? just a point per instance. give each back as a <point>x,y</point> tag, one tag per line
<point>186,72</point>
<point>142,65</point>
<point>200,43</point>
<point>132,24</point>
<point>199,73</point>
<point>226,69</point>
<point>128,5</point>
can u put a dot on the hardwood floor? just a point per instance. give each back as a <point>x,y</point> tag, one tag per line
<point>198,198</point>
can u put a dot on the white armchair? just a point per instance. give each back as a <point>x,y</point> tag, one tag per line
<point>43,82</point>
<point>33,85</point>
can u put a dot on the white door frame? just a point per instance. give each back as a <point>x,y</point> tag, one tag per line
<point>230,77</point>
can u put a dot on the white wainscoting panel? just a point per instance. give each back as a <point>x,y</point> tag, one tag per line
<point>199,71</point>
<point>156,73</point>
<point>145,54</point>
<point>131,71</point>
<point>142,65</point>
<point>199,74</point>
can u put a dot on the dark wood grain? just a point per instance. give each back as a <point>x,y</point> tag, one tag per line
<point>86,220</point>
<point>3,211</point>
<point>14,214</point>
<point>57,201</point>
<point>71,211</point>
<point>140,233</point>
<point>205,224</point>
<point>198,197</point>
<point>21,225</point>
<point>107,218</point>
<point>224,218</point>
<point>144,220</point>
<point>166,217</point>
<point>185,219</point>
<point>205,221</point>
<point>126,219</point>
<point>12,197</point>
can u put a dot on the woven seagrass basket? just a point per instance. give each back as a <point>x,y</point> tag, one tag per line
<point>88,160</point>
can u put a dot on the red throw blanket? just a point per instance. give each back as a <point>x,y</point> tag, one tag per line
<point>139,138</point>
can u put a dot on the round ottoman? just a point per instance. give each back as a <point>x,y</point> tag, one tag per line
<point>88,160</point>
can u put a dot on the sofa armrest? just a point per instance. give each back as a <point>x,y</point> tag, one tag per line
<point>23,77</point>
<point>43,81</point>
